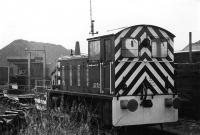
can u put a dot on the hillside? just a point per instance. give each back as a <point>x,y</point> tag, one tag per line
<point>17,49</point>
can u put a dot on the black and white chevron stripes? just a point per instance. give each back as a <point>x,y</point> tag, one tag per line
<point>132,73</point>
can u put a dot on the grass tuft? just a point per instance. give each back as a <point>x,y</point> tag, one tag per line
<point>53,122</point>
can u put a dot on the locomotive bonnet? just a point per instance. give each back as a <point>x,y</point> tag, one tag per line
<point>129,75</point>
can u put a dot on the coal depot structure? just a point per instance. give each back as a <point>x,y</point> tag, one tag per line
<point>187,77</point>
<point>14,61</point>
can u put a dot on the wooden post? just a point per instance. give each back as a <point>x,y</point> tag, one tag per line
<point>8,75</point>
<point>190,47</point>
<point>44,68</point>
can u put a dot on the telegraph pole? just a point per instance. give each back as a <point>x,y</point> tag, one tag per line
<point>190,47</point>
<point>29,66</point>
<point>44,68</point>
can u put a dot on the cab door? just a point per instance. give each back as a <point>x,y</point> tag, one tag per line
<point>107,64</point>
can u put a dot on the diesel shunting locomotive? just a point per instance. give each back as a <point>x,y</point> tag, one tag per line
<point>127,78</point>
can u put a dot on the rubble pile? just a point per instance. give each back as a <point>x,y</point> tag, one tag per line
<point>12,115</point>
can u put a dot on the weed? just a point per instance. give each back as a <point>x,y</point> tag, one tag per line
<point>53,122</point>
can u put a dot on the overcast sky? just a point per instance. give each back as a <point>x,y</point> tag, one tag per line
<point>66,21</point>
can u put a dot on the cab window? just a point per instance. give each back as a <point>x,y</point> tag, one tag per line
<point>159,48</point>
<point>130,47</point>
<point>94,50</point>
<point>108,49</point>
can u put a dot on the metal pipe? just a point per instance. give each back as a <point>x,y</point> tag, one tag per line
<point>110,77</point>
<point>100,78</point>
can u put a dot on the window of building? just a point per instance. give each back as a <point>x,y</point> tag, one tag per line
<point>70,75</point>
<point>130,47</point>
<point>159,48</point>
<point>78,75</point>
<point>94,50</point>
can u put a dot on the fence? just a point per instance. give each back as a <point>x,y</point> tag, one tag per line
<point>187,78</point>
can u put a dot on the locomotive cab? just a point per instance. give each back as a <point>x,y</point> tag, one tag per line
<point>101,49</point>
<point>101,53</point>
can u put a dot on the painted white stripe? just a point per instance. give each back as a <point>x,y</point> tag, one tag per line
<point>138,29</point>
<point>145,50</point>
<point>156,74</point>
<point>117,54</point>
<point>152,32</point>
<point>164,72</point>
<point>155,86</point>
<point>117,40</point>
<point>142,51</point>
<point>168,65</point>
<point>170,55</point>
<point>119,66</point>
<point>134,74</point>
<point>144,35</point>
<point>126,71</point>
<point>138,83</point>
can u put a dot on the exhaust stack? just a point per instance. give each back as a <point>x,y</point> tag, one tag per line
<point>77,48</point>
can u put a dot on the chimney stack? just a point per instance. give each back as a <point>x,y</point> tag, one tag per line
<point>77,48</point>
<point>190,47</point>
